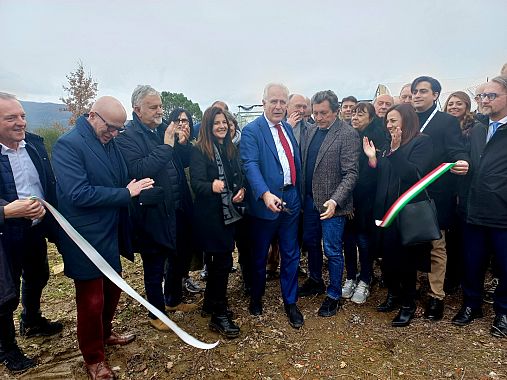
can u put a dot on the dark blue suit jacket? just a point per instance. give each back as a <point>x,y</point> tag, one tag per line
<point>92,195</point>
<point>262,166</point>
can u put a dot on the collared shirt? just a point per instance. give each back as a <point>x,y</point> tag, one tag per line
<point>491,132</point>
<point>26,177</point>
<point>281,153</point>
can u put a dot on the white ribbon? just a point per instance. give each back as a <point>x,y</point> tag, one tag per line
<point>110,273</point>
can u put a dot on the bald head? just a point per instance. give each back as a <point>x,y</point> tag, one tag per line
<point>382,103</point>
<point>222,105</point>
<point>107,118</point>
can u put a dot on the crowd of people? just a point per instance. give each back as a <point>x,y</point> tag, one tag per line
<point>308,175</point>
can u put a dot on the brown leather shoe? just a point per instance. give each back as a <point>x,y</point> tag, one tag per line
<point>119,340</point>
<point>100,371</point>
<point>183,307</point>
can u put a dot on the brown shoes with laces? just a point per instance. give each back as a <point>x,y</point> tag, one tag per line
<point>119,340</point>
<point>100,371</point>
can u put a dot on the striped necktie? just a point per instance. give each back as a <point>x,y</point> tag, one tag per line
<point>493,126</point>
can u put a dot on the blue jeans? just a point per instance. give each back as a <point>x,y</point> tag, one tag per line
<point>354,241</point>
<point>330,231</point>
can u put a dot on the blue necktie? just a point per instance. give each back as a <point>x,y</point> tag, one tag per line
<point>492,129</point>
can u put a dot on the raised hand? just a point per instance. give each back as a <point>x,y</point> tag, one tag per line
<point>369,148</point>
<point>169,134</point>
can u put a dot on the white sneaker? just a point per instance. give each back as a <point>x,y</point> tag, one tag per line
<point>348,288</point>
<point>361,293</point>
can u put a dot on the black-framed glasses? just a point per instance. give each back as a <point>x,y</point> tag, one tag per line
<point>110,127</point>
<point>182,121</point>
<point>488,95</point>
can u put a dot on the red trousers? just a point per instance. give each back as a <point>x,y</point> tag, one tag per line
<point>96,302</point>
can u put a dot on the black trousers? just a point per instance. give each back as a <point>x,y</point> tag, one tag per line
<point>27,256</point>
<point>153,266</point>
<point>219,266</point>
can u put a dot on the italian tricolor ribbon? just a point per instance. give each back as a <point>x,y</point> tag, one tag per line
<point>411,193</point>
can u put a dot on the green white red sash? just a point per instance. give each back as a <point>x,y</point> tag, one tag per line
<point>411,193</point>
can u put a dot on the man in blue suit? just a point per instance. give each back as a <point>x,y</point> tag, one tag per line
<point>272,166</point>
<point>93,193</point>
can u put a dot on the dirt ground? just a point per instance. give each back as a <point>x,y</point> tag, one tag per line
<point>358,343</point>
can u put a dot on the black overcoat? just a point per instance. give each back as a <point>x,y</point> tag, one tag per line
<point>210,230</point>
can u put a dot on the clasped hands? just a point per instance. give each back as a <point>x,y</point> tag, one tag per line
<point>29,208</point>
<point>217,186</point>
<point>174,130</point>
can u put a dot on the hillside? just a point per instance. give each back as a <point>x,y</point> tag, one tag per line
<point>43,115</point>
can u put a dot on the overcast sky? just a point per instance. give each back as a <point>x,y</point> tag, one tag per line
<point>229,50</point>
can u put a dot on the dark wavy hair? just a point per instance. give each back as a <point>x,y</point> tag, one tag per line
<point>409,121</point>
<point>206,140</point>
<point>175,115</point>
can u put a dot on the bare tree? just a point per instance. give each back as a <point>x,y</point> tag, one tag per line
<point>81,92</point>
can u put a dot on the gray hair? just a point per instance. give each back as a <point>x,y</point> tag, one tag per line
<point>328,95</point>
<point>269,86</point>
<point>142,91</point>
<point>7,96</point>
<point>501,80</point>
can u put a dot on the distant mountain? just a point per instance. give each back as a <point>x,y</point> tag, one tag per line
<point>43,115</point>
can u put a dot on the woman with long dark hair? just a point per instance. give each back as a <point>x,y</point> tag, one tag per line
<point>408,158</point>
<point>217,182</point>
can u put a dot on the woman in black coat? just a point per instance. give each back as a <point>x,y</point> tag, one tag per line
<point>217,182</point>
<point>409,157</point>
<point>358,229</point>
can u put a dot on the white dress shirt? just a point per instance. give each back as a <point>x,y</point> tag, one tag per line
<point>26,177</point>
<point>281,152</point>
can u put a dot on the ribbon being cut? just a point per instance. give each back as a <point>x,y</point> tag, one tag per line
<point>411,193</point>
<point>110,273</point>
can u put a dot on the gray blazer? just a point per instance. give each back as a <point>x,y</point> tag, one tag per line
<point>337,166</point>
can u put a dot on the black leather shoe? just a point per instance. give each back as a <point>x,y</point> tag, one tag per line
<point>404,316</point>
<point>301,272</point>
<point>311,287</point>
<point>16,361</point>
<point>391,303</point>
<point>329,307</point>
<point>224,325</point>
<point>43,327</point>
<point>296,319</point>
<point>255,307</point>
<point>499,328</point>
<point>434,310</point>
<point>206,312</point>
<point>466,315</point>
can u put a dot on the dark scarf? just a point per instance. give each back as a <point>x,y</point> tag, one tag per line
<point>231,215</point>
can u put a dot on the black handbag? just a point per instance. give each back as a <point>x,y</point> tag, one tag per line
<point>418,222</point>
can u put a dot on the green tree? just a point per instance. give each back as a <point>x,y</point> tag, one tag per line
<point>81,92</point>
<point>50,135</point>
<point>172,100</point>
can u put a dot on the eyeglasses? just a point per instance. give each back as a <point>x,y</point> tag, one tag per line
<point>488,95</point>
<point>182,121</point>
<point>110,127</point>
